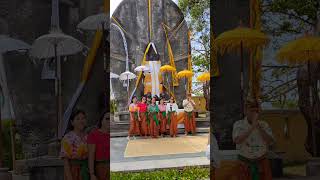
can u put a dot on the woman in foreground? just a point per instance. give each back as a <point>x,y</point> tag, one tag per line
<point>99,150</point>
<point>74,150</point>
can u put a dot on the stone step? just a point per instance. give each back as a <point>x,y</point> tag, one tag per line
<point>116,127</point>
<point>124,133</point>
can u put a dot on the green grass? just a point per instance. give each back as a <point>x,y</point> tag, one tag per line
<point>6,140</point>
<point>295,170</point>
<point>189,173</point>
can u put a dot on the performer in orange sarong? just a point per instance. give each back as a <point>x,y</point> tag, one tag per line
<point>134,119</point>
<point>142,109</point>
<point>253,138</point>
<point>189,118</point>
<point>163,117</point>
<point>171,110</point>
<point>153,111</point>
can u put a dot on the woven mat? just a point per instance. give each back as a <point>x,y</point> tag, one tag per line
<point>166,146</point>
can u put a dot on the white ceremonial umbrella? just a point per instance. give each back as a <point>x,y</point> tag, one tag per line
<point>112,76</point>
<point>95,22</point>
<point>142,69</point>
<point>127,75</point>
<point>56,44</point>
<point>7,44</point>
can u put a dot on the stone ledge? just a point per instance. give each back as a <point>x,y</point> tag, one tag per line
<point>151,165</point>
<point>180,131</point>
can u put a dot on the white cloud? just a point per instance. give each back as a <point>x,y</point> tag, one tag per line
<point>115,3</point>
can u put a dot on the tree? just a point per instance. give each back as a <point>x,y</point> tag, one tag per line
<point>283,18</point>
<point>197,14</point>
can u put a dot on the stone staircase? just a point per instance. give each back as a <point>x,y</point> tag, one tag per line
<point>120,128</point>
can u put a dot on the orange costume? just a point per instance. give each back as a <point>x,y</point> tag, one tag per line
<point>144,130</point>
<point>74,149</point>
<point>134,120</point>
<point>189,117</point>
<point>172,109</point>
<point>163,118</point>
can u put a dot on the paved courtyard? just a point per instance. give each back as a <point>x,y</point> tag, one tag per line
<point>120,163</point>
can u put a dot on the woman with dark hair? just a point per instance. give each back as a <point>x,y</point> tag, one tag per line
<point>134,119</point>
<point>163,117</point>
<point>153,111</point>
<point>172,110</point>
<point>99,150</point>
<point>74,149</point>
<point>143,113</point>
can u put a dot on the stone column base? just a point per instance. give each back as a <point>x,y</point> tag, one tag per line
<point>54,149</point>
<point>313,167</point>
<point>4,174</point>
<point>20,177</point>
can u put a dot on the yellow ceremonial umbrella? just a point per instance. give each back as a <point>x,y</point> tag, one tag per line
<point>237,40</point>
<point>300,51</point>
<point>169,69</point>
<point>204,77</point>
<point>185,74</point>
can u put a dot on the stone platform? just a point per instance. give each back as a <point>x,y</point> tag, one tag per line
<point>146,163</point>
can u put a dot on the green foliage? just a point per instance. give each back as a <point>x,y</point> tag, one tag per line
<point>285,19</point>
<point>288,104</point>
<point>189,173</point>
<point>197,14</point>
<point>113,106</point>
<point>6,139</point>
<point>290,16</point>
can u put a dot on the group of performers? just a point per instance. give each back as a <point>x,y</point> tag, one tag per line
<point>154,117</point>
<point>86,156</point>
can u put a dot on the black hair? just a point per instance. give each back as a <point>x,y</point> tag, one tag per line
<point>101,118</point>
<point>133,98</point>
<point>174,100</point>
<point>74,114</point>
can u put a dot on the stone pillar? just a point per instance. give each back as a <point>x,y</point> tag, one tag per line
<point>226,88</point>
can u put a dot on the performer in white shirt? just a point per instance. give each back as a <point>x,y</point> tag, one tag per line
<point>252,138</point>
<point>172,121</point>
<point>189,118</point>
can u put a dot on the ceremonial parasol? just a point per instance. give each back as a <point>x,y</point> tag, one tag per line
<point>54,45</point>
<point>300,51</point>
<point>167,69</point>
<point>185,74</point>
<point>141,69</point>
<point>95,22</point>
<point>237,40</point>
<point>112,76</point>
<point>7,44</point>
<point>127,75</point>
<point>204,77</point>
